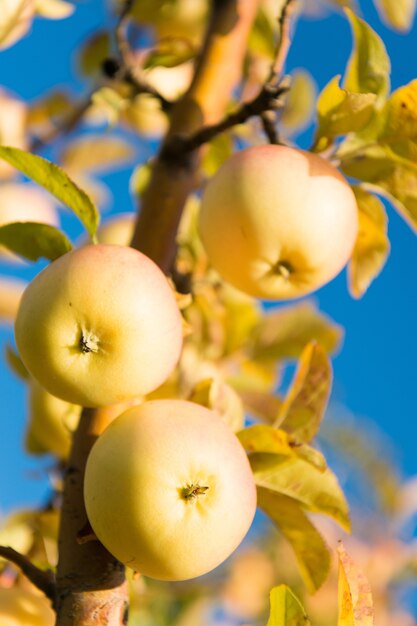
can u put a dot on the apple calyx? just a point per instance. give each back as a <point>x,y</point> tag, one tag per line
<point>88,342</point>
<point>191,491</point>
<point>283,269</point>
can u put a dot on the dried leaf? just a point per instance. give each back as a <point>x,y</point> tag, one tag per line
<point>261,404</point>
<point>303,408</point>
<point>34,241</point>
<point>354,593</point>
<point>312,554</point>
<point>372,244</point>
<point>56,181</point>
<point>286,609</point>
<point>283,334</point>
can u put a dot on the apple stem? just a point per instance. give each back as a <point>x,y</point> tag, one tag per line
<point>191,491</point>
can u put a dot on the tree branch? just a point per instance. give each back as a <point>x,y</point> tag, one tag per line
<point>284,44</point>
<point>42,579</point>
<point>91,586</point>
<point>217,71</point>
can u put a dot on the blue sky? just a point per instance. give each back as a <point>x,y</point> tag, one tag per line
<point>375,372</point>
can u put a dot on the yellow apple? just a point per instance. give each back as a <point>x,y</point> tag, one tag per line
<point>51,422</point>
<point>278,222</point>
<point>169,490</point>
<point>24,607</point>
<point>99,325</point>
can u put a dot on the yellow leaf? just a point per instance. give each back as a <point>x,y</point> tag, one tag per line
<point>341,111</point>
<point>303,408</point>
<point>54,9</point>
<point>299,103</point>
<point>354,593</point>
<point>310,549</point>
<point>283,333</point>
<point>369,66</point>
<point>397,13</point>
<point>372,244</point>
<point>390,174</point>
<point>401,114</point>
<point>263,438</point>
<point>315,489</point>
<point>261,404</point>
<point>217,395</point>
<point>286,609</point>
<point>15,20</point>
<point>96,153</point>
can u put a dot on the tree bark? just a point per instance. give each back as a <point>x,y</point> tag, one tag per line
<point>91,586</point>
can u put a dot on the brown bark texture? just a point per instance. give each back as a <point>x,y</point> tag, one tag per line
<point>91,585</point>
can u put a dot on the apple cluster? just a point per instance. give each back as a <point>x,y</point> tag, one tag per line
<point>168,487</point>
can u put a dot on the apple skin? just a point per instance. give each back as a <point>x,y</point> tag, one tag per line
<point>134,486</point>
<point>278,222</point>
<point>99,325</point>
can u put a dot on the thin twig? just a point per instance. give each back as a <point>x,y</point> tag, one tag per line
<point>42,579</point>
<point>268,99</point>
<point>125,67</point>
<point>65,125</point>
<point>284,44</point>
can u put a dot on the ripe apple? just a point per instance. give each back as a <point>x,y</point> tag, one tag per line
<point>169,490</point>
<point>117,229</point>
<point>278,222</point>
<point>99,325</point>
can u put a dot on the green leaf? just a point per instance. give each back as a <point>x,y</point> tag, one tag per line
<point>311,551</point>
<point>369,66</point>
<point>56,181</point>
<point>93,52</point>
<point>267,439</point>
<point>262,36</point>
<point>341,111</point>
<point>399,14</point>
<point>372,244</point>
<point>303,408</point>
<point>316,490</point>
<point>284,333</point>
<point>170,52</point>
<point>33,240</point>
<point>286,609</point>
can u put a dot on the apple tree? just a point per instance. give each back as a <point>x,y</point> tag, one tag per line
<point>153,369</point>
